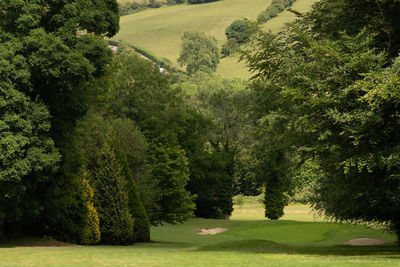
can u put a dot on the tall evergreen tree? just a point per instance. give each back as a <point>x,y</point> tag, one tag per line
<point>111,197</point>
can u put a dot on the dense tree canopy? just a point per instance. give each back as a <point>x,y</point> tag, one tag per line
<point>332,100</point>
<point>50,60</point>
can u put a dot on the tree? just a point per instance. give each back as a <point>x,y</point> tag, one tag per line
<point>199,52</point>
<point>111,197</point>
<point>128,140</point>
<point>238,33</point>
<point>136,208</point>
<point>28,156</point>
<point>54,64</point>
<point>333,101</point>
<point>222,135</point>
<point>170,168</point>
<point>377,17</point>
<point>91,232</point>
<point>145,96</point>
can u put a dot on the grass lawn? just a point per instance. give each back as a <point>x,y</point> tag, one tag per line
<point>250,241</point>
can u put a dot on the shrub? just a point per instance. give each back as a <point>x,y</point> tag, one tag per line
<point>276,7</point>
<point>238,200</point>
<point>238,33</point>
<point>91,232</point>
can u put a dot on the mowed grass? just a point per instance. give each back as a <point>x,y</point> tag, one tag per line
<point>249,241</point>
<point>159,30</point>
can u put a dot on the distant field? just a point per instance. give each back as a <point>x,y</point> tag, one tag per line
<point>160,30</point>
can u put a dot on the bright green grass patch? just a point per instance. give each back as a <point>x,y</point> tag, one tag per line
<point>246,243</point>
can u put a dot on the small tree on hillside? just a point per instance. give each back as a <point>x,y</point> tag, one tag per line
<point>199,52</point>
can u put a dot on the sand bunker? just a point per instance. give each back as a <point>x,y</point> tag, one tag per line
<point>211,231</point>
<point>365,242</point>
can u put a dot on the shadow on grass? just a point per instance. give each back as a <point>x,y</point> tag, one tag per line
<point>29,241</point>
<point>263,246</point>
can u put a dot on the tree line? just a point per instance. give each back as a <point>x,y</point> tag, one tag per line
<point>97,147</point>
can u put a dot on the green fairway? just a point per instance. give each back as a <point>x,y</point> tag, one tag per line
<point>249,241</point>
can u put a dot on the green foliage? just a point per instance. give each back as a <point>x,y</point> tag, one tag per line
<point>53,63</point>
<point>225,132</point>
<point>276,7</point>
<point>136,208</point>
<point>28,156</point>
<point>274,200</point>
<point>131,7</point>
<point>329,18</point>
<point>325,99</point>
<point>111,197</point>
<point>161,114</point>
<point>238,33</point>
<point>199,52</point>
<point>91,232</point>
<point>238,200</point>
<point>132,157</point>
<point>170,169</point>
<point>211,180</point>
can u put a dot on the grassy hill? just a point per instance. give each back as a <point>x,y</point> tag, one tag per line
<point>160,30</point>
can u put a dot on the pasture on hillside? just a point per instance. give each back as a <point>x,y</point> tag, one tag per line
<point>298,239</point>
<point>160,30</point>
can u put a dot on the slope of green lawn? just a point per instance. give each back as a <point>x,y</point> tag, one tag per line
<point>248,241</point>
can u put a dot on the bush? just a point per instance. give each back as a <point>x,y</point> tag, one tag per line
<point>91,232</point>
<point>229,48</point>
<point>238,33</point>
<point>238,200</point>
<point>129,8</point>
<point>276,7</point>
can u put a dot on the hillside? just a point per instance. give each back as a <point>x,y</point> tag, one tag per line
<point>160,30</point>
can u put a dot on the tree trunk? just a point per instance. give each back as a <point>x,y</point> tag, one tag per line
<point>12,229</point>
<point>1,231</point>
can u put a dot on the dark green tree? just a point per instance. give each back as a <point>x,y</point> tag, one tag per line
<point>145,96</point>
<point>112,196</point>
<point>28,156</point>
<point>170,168</point>
<point>136,208</point>
<point>334,102</point>
<point>55,65</point>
